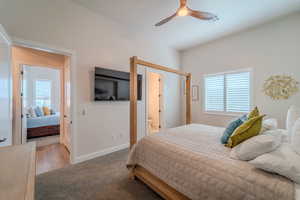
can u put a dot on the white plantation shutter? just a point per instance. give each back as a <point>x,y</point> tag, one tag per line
<point>228,92</point>
<point>214,93</point>
<point>238,92</point>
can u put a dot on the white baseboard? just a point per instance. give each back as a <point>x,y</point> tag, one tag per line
<point>103,152</point>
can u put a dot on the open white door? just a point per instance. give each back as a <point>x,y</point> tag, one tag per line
<point>5,89</point>
<point>65,136</point>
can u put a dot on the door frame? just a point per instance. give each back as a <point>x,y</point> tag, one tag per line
<point>73,60</point>
<point>162,107</point>
<point>62,103</point>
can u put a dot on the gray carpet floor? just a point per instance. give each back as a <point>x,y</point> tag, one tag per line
<point>103,178</point>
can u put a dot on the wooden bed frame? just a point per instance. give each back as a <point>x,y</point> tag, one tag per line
<point>159,186</point>
<point>43,131</point>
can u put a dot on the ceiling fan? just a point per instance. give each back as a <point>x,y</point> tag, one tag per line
<point>184,10</point>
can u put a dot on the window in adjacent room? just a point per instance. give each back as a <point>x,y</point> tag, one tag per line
<point>43,93</point>
<point>228,92</point>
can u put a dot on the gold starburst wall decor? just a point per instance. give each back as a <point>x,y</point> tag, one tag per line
<point>280,87</point>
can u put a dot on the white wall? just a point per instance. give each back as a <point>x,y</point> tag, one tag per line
<point>32,74</point>
<point>5,90</point>
<point>269,49</point>
<point>97,41</point>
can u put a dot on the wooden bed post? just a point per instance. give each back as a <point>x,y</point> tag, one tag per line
<point>134,62</point>
<point>188,99</point>
<point>133,101</point>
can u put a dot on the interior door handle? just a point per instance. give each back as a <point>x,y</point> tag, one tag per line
<point>3,140</point>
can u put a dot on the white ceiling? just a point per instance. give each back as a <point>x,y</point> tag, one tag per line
<point>139,17</point>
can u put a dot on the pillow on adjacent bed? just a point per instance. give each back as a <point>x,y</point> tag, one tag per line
<point>31,112</point>
<point>247,130</point>
<point>231,128</point>
<point>46,111</point>
<point>283,161</point>
<point>38,112</point>
<point>257,145</point>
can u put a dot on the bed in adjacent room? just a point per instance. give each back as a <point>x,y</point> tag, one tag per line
<point>47,125</point>
<point>192,161</point>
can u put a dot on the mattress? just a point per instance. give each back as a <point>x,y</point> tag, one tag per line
<point>49,120</point>
<point>192,160</point>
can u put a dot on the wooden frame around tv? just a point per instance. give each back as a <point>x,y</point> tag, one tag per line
<point>159,186</point>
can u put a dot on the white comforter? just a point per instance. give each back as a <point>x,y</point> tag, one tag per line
<point>192,160</point>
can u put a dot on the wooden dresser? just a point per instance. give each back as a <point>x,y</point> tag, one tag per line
<point>17,172</point>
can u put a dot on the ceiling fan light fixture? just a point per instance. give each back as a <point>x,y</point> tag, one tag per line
<point>183,12</point>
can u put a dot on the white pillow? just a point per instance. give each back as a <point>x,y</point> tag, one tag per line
<point>285,135</point>
<point>257,145</point>
<point>269,124</point>
<point>292,115</point>
<point>283,161</point>
<point>31,112</point>
<point>295,137</point>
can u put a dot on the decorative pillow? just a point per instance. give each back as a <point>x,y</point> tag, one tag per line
<point>46,110</point>
<point>269,124</point>
<point>247,130</point>
<point>31,112</point>
<point>38,111</point>
<point>283,161</point>
<point>295,137</point>
<point>52,112</point>
<point>253,113</point>
<point>231,127</point>
<point>292,115</point>
<point>257,145</point>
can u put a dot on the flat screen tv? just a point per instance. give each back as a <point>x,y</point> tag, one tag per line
<point>112,85</point>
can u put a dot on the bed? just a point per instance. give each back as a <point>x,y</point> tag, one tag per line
<point>189,162</point>
<point>43,126</point>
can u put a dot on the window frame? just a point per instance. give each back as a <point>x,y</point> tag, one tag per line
<point>225,113</point>
<point>35,91</point>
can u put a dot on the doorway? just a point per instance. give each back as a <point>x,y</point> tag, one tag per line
<point>40,99</point>
<point>154,102</point>
<point>41,105</point>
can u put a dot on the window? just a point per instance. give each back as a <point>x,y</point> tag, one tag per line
<point>228,92</point>
<point>43,93</point>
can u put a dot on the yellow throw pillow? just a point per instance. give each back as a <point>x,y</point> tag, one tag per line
<point>46,110</point>
<point>253,113</point>
<point>247,130</point>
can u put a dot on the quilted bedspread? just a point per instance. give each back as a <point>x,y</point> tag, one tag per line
<point>192,160</point>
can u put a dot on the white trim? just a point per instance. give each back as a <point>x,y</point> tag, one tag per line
<point>229,72</point>
<point>73,110</point>
<point>229,114</point>
<point>224,113</point>
<point>42,47</point>
<point>4,34</point>
<point>103,152</point>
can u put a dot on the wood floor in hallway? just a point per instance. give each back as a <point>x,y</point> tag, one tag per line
<point>51,157</point>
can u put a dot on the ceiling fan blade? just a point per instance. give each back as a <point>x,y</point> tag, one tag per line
<point>203,15</point>
<point>183,3</point>
<point>166,20</point>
